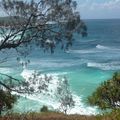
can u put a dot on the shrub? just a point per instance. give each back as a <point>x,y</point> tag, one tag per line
<point>44,109</point>
<point>6,100</point>
<point>107,95</point>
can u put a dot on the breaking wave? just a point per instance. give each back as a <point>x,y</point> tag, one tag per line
<point>49,99</point>
<point>106,47</point>
<point>102,47</point>
<point>6,70</point>
<point>83,51</point>
<point>97,49</point>
<point>105,66</point>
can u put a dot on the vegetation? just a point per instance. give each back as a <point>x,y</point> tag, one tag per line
<point>65,96</point>
<point>108,94</point>
<point>44,109</point>
<point>115,115</point>
<point>47,24</point>
<point>44,23</point>
<point>6,100</point>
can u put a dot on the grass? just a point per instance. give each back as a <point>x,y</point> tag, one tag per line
<point>115,115</point>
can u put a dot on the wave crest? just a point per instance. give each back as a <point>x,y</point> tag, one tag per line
<point>105,66</point>
<point>49,99</point>
<point>102,47</point>
<point>83,51</point>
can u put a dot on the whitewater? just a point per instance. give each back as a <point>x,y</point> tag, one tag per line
<point>86,64</point>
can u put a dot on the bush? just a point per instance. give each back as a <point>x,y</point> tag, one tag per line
<point>108,94</point>
<point>44,109</point>
<point>6,100</point>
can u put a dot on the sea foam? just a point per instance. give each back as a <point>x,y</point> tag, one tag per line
<point>83,51</point>
<point>6,70</point>
<point>48,98</point>
<point>106,47</point>
<point>105,66</point>
<point>102,47</point>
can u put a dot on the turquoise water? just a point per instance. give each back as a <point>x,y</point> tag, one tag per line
<point>89,62</point>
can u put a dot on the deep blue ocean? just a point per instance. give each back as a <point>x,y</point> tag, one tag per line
<point>90,61</point>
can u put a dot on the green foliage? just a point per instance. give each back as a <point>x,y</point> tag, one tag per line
<point>47,23</point>
<point>107,95</point>
<point>6,100</point>
<point>44,109</point>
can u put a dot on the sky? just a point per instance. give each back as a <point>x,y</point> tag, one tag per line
<point>97,9</point>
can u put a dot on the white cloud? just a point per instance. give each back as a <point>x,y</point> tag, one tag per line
<point>99,9</point>
<point>112,4</point>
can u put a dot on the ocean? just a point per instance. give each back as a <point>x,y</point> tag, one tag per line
<point>90,61</point>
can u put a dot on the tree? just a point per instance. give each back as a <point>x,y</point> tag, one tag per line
<point>65,96</point>
<point>44,109</point>
<point>6,100</point>
<point>44,23</point>
<point>108,94</point>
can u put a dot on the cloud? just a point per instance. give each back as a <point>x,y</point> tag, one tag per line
<point>112,4</point>
<point>99,8</point>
